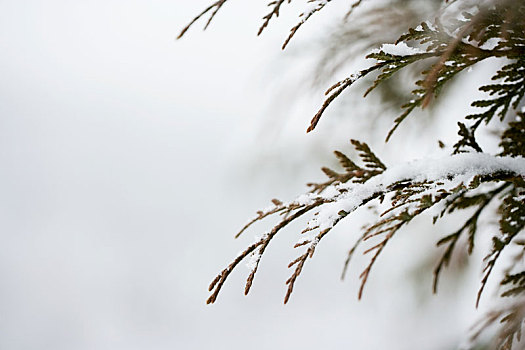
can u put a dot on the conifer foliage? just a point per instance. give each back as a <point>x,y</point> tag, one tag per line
<point>460,35</point>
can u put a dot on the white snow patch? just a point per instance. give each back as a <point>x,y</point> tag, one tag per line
<point>399,49</point>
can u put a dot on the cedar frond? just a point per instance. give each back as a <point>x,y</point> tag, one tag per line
<point>511,223</point>
<point>335,90</point>
<point>408,197</point>
<point>513,139</point>
<point>299,263</point>
<point>470,226</point>
<point>305,17</point>
<point>275,8</point>
<point>378,248</point>
<point>351,254</point>
<point>369,158</point>
<point>270,236</point>
<point>213,8</point>
<point>353,172</point>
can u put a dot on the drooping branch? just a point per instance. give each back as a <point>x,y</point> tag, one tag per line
<point>275,8</point>
<point>318,6</point>
<point>213,8</point>
<point>413,188</point>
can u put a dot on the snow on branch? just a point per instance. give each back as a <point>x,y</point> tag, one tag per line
<point>451,169</point>
<point>411,188</point>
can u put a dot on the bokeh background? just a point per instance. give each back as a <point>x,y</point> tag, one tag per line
<point>129,160</point>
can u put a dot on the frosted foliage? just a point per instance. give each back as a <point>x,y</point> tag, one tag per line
<point>453,170</point>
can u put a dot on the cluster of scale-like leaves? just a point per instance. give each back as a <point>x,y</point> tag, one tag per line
<point>408,199</point>
<point>513,207</point>
<point>513,139</point>
<point>449,47</point>
<point>372,166</point>
<point>291,211</point>
<point>457,51</point>
<point>512,222</point>
<point>506,93</point>
<point>500,20</point>
<point>434,41</point>
<point>501,26</point>
<point>454,47</point>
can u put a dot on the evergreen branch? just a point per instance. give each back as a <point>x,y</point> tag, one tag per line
<point>373,167</point>
<point>305,17</point>
<point>261,214</point>
<point>411,196</point>
<point>448,206</point>
<point>369,158</point>
<point>352,8</point>
<point>468,139</point>
<point>431,81</point>
<point>218,282</point>
<point>512,328</point>
<point>300,261</point>
<point>510,317</point>
<point>378,249</point>
<point>396,221</point>
<point>513,139</point>
<point>470,225</point>
<point>351,254</point>
<point>274,12</point>
<point>213,8</point>
<point>262,243</point>
<point>511,223</point>
<point>266,240</point>
<point>336,90</point>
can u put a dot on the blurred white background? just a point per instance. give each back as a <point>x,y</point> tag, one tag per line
<point>128,162</point>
